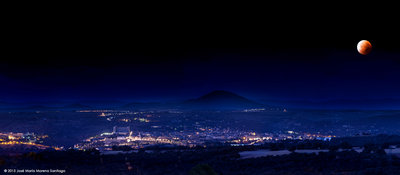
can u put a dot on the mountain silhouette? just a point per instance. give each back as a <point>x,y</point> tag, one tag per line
<point>221,100</point>
<point>352,104</point>
<point>216,100</point>
<point>77,106</point>
<point>150,106</point>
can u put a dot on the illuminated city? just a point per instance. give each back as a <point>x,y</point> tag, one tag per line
<point>164,92</point>
<point>106,141</point>
<point>28,139</point>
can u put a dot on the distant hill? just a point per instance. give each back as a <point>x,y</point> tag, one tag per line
<point>221,100</point>
<point>359,104</point>
<point>38,107</point>
<point>150,106</point>
<point>41,107</point>
<point>77,106</point>
<point>216,100</point>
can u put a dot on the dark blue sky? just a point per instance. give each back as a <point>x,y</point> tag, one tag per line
<point>168,60</point>
<point>258,73</point>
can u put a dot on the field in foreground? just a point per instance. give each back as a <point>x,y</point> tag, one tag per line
<point>213,160</point>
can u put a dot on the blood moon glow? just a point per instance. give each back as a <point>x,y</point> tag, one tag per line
<point>364,47</point>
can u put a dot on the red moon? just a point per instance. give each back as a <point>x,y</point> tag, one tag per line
<point>364,47</point>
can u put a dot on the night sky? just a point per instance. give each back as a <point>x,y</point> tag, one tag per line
<point>164,60</point>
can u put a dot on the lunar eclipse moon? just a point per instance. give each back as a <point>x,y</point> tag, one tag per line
<point>364,47</point>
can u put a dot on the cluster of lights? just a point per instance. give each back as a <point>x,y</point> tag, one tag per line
<point>24,139</point>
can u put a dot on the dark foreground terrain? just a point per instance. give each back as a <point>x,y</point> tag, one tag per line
<point>212,160</point>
